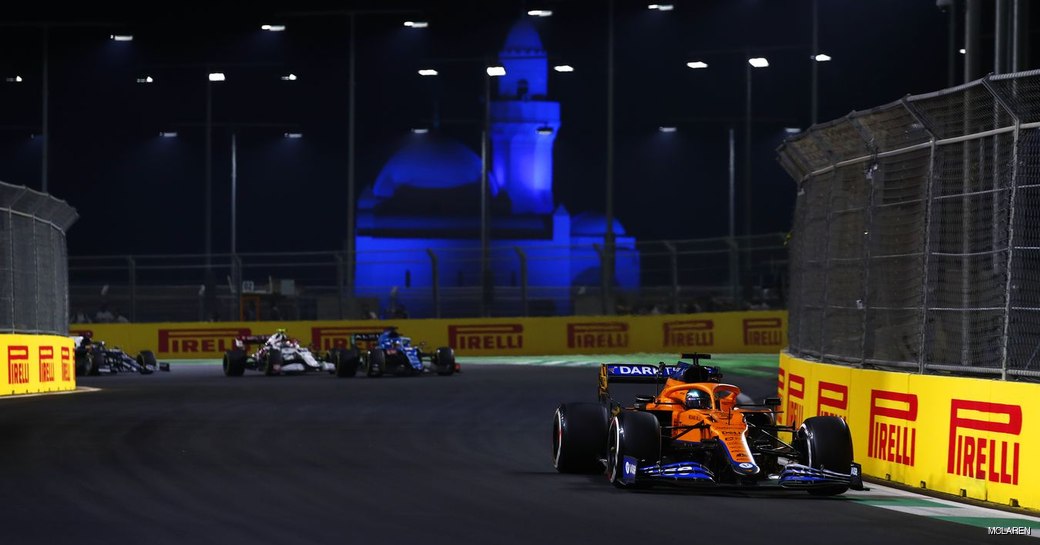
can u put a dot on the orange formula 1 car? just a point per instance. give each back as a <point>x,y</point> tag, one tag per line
<point>695,431</point>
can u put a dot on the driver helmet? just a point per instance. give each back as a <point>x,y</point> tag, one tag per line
<point>697,399</point>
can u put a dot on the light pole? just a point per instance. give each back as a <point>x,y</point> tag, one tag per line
<point>45,27</point>
<point>351,14</point>
<point>490,71</point>
<point>607,275</point>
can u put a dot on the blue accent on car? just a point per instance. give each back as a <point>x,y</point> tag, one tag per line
<point>391,340</point>
<point>800,476</point>
<point>629,469</point>
<point>678,471</point>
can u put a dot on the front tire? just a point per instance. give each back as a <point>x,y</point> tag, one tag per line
<point>826,443</point>
<point>376,362</point>
<point>146,359</point>
<point>579,430</point>
<point>445,361</point>
<point>631,433</point>
<point>272,363</point>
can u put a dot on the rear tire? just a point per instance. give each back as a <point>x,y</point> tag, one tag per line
<point>636,434</point>
<point>445,361</point>
<point>346,361</point>
<point>234,363</point>
<point>376,362</point>
<point>85,365</point>
<point>827,444</point>
<point>578,440</point>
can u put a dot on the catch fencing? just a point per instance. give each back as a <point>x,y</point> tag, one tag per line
<point>33,261</point>
<point>676,276</point>
<point>916,239</point>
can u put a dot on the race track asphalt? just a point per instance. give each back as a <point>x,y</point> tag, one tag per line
<point>193,457</point>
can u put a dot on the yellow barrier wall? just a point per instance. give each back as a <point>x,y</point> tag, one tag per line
<point>964,436</point>
<point>36,363</point>
<point>723,332</point>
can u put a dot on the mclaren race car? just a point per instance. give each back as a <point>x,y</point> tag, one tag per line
<point>392,353</point>
<point>96,358</point>
<point>695,431</point>
<point>279,353</point>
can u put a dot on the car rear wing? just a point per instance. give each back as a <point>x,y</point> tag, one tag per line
<point>644,373</point>
<point>365,336</point>
<point>246,340</point>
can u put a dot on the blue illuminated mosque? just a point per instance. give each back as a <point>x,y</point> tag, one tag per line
<point>427,199</point>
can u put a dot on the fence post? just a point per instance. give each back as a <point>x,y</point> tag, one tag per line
<point>340,280</point>
<point>926,250</point>
<point>523,280</point>
<point>603,267</point>
<point>132,272</point>
<point>236,288</point>
<point>675,274</point>
<point>1009,280</point>
<point>435,281</point>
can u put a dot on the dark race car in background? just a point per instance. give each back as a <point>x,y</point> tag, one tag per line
<point>391,353</point>
<point>695,431</point>
<point>96,358</point>
<point>279,353</point>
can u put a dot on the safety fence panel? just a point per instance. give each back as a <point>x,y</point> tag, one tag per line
<point>33,261</point>
<point>915,239</point>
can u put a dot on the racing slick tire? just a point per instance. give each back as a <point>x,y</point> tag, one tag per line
<point>234,363</point>
<point>346,360</point>
<point>272,363</point>
<point>578,442</point>
<point>444,361</point>
<point>376,362</point>
<point>146,359</point>
<point>827,444</point>
<point>86,364</point>
<point>631,433</point>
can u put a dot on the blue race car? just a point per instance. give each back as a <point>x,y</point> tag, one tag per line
<point>393,353</point>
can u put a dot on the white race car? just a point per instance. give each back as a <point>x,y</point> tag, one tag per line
<point>279,353</point>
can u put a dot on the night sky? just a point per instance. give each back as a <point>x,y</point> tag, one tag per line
<point>139,193</point>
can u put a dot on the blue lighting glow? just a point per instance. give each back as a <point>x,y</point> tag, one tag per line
<point>426,199</point>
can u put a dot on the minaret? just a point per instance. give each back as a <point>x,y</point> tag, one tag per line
<point>524,123</point>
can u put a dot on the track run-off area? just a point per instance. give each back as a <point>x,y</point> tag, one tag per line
<point>192,456</point>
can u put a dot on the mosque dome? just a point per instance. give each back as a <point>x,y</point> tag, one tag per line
<point>429,162</point>
<point>523,40</point>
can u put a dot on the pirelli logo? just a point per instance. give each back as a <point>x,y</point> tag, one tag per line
<point>486,336</point>
<point>325,338</point>
<point>984,440</point>
<point>597,335</point>
<point>832,399</point>
<point>46,364</point>
<point>18,364</point>
<point>795,399</point>
<point>689,333</point>
<point>192,341</point>
<point>763,332</point>
<point>66,364</point>
<point>892,436</point>
<point>781,381</point>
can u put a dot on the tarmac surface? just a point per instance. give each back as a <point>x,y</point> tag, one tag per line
<point>191,456</point>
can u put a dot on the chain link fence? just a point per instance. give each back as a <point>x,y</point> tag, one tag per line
<point>916,239</point>
<point>33,261</point>
<point>674,276</point>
